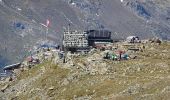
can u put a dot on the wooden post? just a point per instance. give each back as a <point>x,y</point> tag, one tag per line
<point>65,55</point>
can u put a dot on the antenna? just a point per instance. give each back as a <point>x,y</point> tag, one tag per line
<point>69,28</point>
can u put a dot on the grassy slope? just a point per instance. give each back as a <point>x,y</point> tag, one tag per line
<point>147,82</point>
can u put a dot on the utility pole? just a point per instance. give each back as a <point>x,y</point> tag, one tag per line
<point>65,47</point>
<point>69,28</point>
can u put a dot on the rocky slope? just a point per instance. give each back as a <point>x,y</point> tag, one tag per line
<point>91,77</point>
<point>21,21</point>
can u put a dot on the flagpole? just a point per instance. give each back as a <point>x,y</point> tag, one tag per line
<point>46,33</point>
<point>47,24</point>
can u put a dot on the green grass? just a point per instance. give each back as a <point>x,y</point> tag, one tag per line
<point>152,78</point>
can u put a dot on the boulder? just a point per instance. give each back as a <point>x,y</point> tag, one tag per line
<point>8,79</point>
<point>155,40</point>
<point>51,88</point>
<point>65,82</point>
<point>4,88</point>
<point>132,56</point>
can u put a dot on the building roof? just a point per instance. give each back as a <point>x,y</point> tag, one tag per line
<point>49,46</point>
<point>9,67</point>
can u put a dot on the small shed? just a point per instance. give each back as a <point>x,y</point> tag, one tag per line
<point>133,39</point>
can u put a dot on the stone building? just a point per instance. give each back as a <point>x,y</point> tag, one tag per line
<point>75,41</point>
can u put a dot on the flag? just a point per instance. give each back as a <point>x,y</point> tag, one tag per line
<point>47,22</point>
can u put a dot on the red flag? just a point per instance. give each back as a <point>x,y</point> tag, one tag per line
<point>47,22</point>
